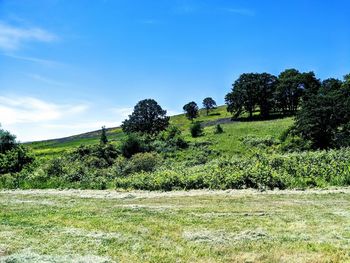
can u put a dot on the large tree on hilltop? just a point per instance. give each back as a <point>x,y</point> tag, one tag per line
<point>148,117</point>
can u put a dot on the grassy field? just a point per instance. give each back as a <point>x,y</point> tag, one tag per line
<point>194,226</point>
<point>230,142</point>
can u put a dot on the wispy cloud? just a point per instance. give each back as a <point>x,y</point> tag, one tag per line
<point>12,37</point>
<point>33,119</point>
<point>46,80</point>
<point>241,11</point>
<point>44,62</point>
<point>33,110</point>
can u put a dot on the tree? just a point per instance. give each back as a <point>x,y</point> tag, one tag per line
<point>293,87</point>
<point>148,117</point>
<point>324,118</point>
<point>249,91</point>
<point>266,86</point>
<point>209,104</point>
<point>13,156</point>
<point>7,141</point>
<point>191,110</point>
<point>103,139</point>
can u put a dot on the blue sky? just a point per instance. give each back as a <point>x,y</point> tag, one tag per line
<point>72,66</point>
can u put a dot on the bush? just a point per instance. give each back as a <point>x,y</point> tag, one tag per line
<point>132,145</point>
<point>261,171</point>
<point>252,141</point>
<point>196,130</point>
<point>14,160</point>
<point>147,162</point>
<point>218,129</point>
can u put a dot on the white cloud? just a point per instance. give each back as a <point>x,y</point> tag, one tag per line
<point>12,37</point>
<point>33,119</point>
<point>33,110</point>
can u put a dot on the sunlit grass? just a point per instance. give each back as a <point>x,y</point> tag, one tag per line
<point>197,226</point>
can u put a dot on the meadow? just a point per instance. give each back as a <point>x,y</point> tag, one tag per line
<point>179,226</point>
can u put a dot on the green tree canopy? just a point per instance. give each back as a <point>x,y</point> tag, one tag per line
<point>148,117</point>
<point>191,110</point>
<point>209,104</point>
<point>103,138</point>
<point>324,118</point>
<point>249,91</point>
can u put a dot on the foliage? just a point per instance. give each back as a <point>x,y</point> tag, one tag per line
<point>191,110</point>
<point>148,117</point>
<point>218,129</point>
<point>209,104</point>
<point>134,143</point>
<point>196,130</point>
<point>253,141</point>
<point>15,159</point>
<point>103,139</point>
<point>249,91</point>
<point>324,117</point>
<point>7,141</point>
<point>13,156</point>
<point>309,169</point>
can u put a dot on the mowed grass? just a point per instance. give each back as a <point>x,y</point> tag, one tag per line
<point>194,226</point>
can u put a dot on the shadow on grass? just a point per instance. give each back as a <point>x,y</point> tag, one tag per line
<point>272,116</point>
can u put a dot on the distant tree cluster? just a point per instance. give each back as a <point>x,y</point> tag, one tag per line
<point>268,93</point>
<point>191,109</point>
<point>322,108</point>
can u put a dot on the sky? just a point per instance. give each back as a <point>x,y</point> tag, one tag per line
<point>68,67</point>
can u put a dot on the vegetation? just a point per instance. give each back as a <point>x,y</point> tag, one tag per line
<point>147,117</point>
<point>190,226</point>
<point>324,118</point>
<point>155,152</point>
<point>13,156</point>
<point>103,139</point>
<point>191,110</point>
<point>196,130</point>
<point>209,104</point>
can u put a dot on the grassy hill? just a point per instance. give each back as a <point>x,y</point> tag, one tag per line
<point>228,142</point>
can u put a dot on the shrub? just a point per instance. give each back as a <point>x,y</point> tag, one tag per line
<point>261,171</point>
<point>218,129</point>
<point>146,162</point>
<point>132,145</point>
<point>196,130</point>
<point>259,141</point>
<point>15,160</point>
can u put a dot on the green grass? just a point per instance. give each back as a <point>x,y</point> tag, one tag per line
<point>183,123</point>
<point>195,226</point>
<point>230,142</point>
<point>227,143</point>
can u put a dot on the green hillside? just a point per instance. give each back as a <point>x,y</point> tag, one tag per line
<point>229,142</point>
